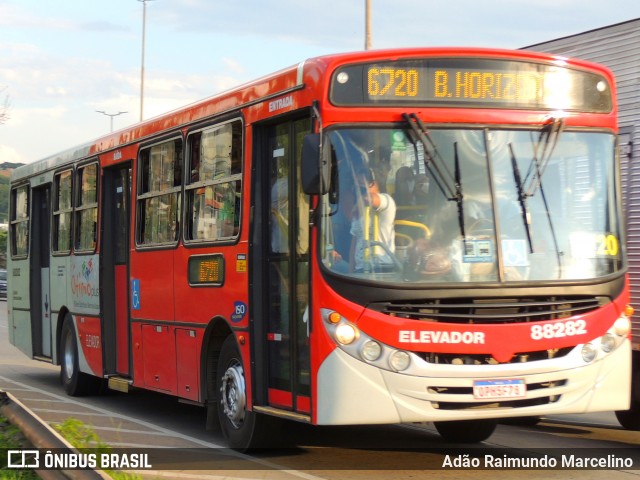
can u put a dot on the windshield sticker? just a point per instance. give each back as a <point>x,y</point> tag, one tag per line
<point>477,251</point>
<point>592,245</point>
<point>514,252</point>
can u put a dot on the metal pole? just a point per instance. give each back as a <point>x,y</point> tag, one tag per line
<point>144,22</point>
<point>110,115</point>
<point>367,25</point>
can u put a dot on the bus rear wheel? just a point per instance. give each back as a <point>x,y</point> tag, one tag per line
<point>466,431</point>
<point>75,382</point>
<point>243,429</point>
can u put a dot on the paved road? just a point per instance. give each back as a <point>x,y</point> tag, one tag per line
<point>141,420</point>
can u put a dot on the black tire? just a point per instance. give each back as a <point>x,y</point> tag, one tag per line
<point>629,419</point>
<point>466,431</point>
<point>243,429</point>
<point>523,421</point>
<point>75,382</point>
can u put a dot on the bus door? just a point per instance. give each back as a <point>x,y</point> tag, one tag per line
<point>114,269</point>
<point>286,291</point>
<point>40,292</point>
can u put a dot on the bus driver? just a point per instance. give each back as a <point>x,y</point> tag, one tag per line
<point>372,224</point>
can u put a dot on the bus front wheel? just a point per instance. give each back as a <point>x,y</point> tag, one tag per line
<point>630,419</point>
<point>242,428</point>
<point>466,431</point>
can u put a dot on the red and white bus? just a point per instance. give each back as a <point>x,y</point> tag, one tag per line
<point>369,238</point>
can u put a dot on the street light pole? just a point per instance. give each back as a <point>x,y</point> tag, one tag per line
<point>110,115</point>
<point>367,25</point>
<point>144,25</point>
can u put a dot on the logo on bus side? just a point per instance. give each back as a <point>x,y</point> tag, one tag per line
<point>240,310</point>
<point>85,283</point>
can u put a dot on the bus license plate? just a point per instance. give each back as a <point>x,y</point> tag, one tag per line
<point>496,389</point>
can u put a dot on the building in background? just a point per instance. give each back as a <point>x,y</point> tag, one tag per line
<point>618,47</point>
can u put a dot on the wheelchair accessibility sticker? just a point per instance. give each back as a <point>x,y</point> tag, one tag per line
<point>515,253</point>
<point>135,294</point>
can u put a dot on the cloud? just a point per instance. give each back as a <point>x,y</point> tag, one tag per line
<point>339,26</point>
<point>234,66</point>
<point>17,17</point>
<point>9,154</point>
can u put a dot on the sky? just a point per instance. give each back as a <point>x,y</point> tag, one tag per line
<point>62,61</point>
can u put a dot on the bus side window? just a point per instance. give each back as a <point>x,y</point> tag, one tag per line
<point>214,187</point>
<point>86,213</point>
<point>20,221</point>
<point>62,212</point>
<point>159,193</point>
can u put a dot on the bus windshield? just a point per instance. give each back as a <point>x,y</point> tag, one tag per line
<point>407,205</point>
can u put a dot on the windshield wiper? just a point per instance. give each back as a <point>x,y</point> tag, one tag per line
<point>550,133</point>
<point>537,167</point>
<point>522,197</point>
<point>434,160</point>
<point>450,184</point>
<point>459,196</point>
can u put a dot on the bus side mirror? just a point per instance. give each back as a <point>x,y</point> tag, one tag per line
<point>315,170</point>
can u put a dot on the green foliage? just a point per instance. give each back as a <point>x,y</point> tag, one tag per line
<point>3,241</point>
<point>81,435</point>
<point>4,199</point>
<point>10,438</point>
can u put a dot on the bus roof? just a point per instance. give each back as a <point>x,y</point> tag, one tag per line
<point>262,89</point>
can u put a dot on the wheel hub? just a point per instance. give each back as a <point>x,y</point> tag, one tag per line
<point>233,395</point>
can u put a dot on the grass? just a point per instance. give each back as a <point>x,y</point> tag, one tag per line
<point>83,436</point>
<point>77,433</point>
<point>11,438</point>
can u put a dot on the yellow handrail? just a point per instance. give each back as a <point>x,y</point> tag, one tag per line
<point>409,223</point>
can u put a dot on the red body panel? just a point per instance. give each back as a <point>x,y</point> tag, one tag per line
<point>90,341</point>
<point>188,362</point>
<point>159,358</point>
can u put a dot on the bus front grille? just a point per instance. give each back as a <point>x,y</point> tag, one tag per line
<point>491,310</point>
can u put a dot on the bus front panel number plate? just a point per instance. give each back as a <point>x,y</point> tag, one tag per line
<point>497,389</point>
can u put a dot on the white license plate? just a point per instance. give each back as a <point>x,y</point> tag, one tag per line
<point>498,389</point>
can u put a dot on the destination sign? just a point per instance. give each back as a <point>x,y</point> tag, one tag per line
<point>487,83</point>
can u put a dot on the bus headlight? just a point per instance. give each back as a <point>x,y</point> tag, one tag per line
<point>371,350</point>
<point>346,333</point>
<point>589,352</point>
<point>622,326</point>
<point>356,343</point>
<point>399,360</point>
<point>608,342</point>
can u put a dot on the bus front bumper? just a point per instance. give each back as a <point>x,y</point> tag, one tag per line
<point>351,391</point>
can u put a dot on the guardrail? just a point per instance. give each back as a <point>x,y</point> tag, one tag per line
<point>42,436</point>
